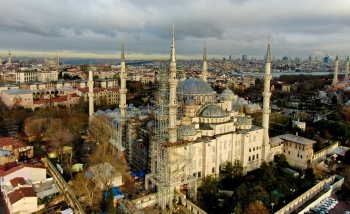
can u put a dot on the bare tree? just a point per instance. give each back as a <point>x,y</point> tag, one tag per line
<point>33,127</point>
<point>100,129</point>
<point>86,189</point>
<point>59,137</point>
<point>256,208</point>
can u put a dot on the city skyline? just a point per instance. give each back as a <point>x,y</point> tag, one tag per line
<point>237,27</point>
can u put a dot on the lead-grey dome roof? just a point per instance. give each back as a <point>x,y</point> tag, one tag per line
<point>187,131</point>
<point>213,111</point>
<point>196,86</point>
<point>227,91</point>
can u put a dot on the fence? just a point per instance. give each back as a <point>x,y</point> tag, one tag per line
<point>296,203</point>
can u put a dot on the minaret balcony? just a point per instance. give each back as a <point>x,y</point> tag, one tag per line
<point>266,111</point>
<point>123,91</point>
<point>266,94</point>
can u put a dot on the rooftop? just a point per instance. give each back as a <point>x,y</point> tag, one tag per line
<point>6,141</point>
<point>297,139</point>
<point>20,193</point>
<point>17,91</point>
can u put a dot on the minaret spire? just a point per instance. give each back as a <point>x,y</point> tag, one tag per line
<point>347,69</point>
<point>122,90</point>
<point>9,62</point>
<point>335,78</point>
<point>268,54</point>
<point>205,65</point>
<point>91,91</point>
<point>122,58</point>
<point>266,105</point>
<point>173,51</point>
<point>173,82</point>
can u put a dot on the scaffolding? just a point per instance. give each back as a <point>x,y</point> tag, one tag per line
<point>171,163</point>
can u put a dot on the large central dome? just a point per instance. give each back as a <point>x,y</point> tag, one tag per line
<point>196,86</point>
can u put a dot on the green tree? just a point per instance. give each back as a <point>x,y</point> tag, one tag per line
<point>208,193</point>
<point>334,99</point>
<point>347,157</point>
<point>110,203</point>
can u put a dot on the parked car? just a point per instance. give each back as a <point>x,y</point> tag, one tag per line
<point>347,200</point>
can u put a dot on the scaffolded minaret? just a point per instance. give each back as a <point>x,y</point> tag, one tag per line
<point>91,92</point>
<point>335,78</point>
<point>9,59</point>
<point>173,82</point>
<point>347,69</point>
<point>205,65</point>
<point>122,90</point>
<point>266,103</point>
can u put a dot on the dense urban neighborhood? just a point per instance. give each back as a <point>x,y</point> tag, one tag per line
<point>175,136</point>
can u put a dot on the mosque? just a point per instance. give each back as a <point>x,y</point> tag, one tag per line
<point>190,132</point>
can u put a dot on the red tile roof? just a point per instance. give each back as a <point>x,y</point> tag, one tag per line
<point>14,169</point>
<point>6,141</point>
<point>17,181</point>
<point>20,193</point>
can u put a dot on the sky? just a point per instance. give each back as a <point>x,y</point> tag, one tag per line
<point>80,28</point>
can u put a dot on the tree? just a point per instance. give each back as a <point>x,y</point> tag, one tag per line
<point>33,128</point>
<point>334,99</point>
<point>101,129</point>
<point>87,190</point>
<point>347,157</point>
<point>59,136</point>
<point>207,193</point>
<point>346,174</point>
<point>110,203</point>
<point>281,160</point>
<point>256,208</point>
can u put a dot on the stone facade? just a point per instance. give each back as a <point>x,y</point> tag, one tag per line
<point>17,97</point>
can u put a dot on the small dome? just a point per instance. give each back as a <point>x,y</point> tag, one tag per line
<point>213,111</point>
<point>187,131</point>
<point>227,91</point>
<point>243,121</point>
<point>196,86</point>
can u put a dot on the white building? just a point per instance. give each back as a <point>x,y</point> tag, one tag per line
<point>26,76</point>
<point>47,76</point>
<point>13,97</point>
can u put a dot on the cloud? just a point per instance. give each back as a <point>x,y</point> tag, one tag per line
<point>297,28</point>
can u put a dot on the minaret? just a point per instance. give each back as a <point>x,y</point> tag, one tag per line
<point>9,60</point>
<point>347,69</point>
<point>91,92</point>
<point>173,81</point>
<point>335,78</point>
<point>205,65</point>
<point>45,61</point>
<point>58,61</point>
<point>122,90</point>
<point>266,103</point>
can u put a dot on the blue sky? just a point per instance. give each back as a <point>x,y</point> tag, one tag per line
<point>82,27</point>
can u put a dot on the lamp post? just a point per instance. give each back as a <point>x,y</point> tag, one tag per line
<point>272,206</point>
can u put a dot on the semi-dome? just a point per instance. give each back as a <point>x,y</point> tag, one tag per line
<point>227,91</point>
<point>187,131</point>
<point>196,86</point>
<point>213,111</point>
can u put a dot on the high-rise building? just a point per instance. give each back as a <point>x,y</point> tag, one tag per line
<point>244,57</point>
